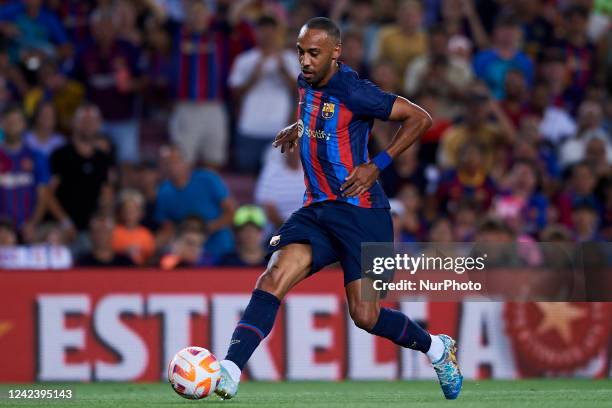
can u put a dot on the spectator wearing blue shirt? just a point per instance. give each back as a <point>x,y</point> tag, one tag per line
<point>189,192</point>
<point>491,65</point>
<point>24,175</point>
<point>33,30</point>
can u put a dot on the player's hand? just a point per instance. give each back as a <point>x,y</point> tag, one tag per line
<point>360,180</point>
<point>287,138</point>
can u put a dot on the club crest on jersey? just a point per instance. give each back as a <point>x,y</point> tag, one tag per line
<point>328,110</point>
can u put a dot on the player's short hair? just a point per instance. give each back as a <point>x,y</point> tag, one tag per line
<point>327,25</point>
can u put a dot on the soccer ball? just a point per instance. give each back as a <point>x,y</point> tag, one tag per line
<point>194,373</point>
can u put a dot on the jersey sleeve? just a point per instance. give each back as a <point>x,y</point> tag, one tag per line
<point>366,99</point>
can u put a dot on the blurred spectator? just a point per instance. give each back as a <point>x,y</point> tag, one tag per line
<point>465,221</point>
<point>579,53</point>
<point>34,32</point>
<point>249,221</point>
<point>520,203</point>
<point>353,53</point>
<point>8,237</point>
<point>538,31</point>
<point>359,20</point>
<point>430,101</point>
<point>598,152</point>
<point>412,221</point>
<point>43,137</point>
<point>102,252</point>
<point>555,123</point>
<point>24,175</point>
<point>384,75</point>
<point>81,173</point>
<point>66,95</point>
<point>385,11</point>
<point>402,42</point>
<point>50,233</point>
<point>469,180</point>
<point>590,125</point>
<point>159,70</point>
<point>555,233</point>
<point>13,83</point>
<point>441,231</point>
<point>125,16</point>
<point>461,20</point>
<point>265,73</point>
<point>440,72</point>
<point>494,230</point>
<point>204,49</point>
<point>280,186</point>
<point>130,237</point>
<point>491,65</point>
<point>148,178</point>
<point>477,128</point>
<point>580,190</point>
<point>187,247</point>
<point>111,70</point>
<point>189,192</point>
<point>74,15</point>
<point>406,168</point>
<point>585,220</point>
<point>514,102</point>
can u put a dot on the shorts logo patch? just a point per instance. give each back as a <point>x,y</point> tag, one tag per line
<point>275,240</point>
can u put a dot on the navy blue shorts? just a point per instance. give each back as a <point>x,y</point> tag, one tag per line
<point>335,231</point>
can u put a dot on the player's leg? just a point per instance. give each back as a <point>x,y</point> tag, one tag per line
<point>397,327</point>
<point>287,267</point>
<point>300,248</point>
<point>351,226</point>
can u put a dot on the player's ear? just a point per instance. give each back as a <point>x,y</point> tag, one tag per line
<point>337,51</point>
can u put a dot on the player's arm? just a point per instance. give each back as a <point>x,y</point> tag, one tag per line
<point>415,121</point>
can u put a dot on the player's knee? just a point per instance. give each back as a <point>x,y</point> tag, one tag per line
<point>272,280</point>
<point>364,315</point>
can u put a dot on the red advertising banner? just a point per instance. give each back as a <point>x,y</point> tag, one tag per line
<point>126,324</point>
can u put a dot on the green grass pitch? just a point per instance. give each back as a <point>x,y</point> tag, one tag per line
<point>348,394</point>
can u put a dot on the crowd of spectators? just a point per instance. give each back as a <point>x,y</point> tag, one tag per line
<point>520,92</point>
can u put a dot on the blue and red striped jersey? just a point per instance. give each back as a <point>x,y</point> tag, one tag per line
<point>203,60</point>
<point>21,172</point>
<point>334,123</point>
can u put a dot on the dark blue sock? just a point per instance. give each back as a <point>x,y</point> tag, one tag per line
<point>398,328</point>
<point>255,325</point>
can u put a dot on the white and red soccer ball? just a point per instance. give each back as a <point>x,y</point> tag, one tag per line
<point>194,373</point>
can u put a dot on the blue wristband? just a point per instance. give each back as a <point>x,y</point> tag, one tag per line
<point>382,160</point>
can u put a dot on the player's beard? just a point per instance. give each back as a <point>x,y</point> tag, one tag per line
<point>318,77</point>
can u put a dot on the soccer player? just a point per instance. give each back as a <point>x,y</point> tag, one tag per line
<point>344,205</point>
